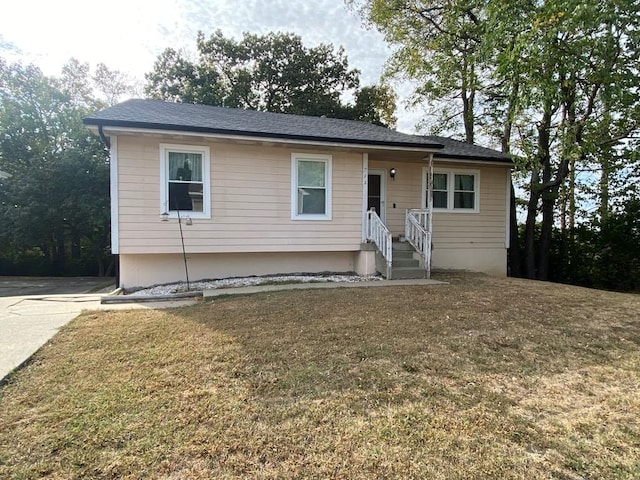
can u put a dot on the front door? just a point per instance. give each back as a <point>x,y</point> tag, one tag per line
<point>376,197</point>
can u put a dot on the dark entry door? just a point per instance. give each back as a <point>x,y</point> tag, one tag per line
<point>375,193</point>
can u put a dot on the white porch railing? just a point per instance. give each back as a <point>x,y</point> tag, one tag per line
<point>418,234</point>
<point>380,235</point>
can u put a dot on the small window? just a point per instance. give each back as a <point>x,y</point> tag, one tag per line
<point>185,181</point>
<point>311,187</point>
<point>453,190</point>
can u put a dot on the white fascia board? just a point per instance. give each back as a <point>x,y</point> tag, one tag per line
<point>256,138</point>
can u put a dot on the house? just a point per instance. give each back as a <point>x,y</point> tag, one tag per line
<point>262,193</point>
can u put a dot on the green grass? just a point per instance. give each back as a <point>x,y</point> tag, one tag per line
<point>483,378</point>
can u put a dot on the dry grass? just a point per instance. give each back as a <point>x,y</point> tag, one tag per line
<point>484,378</point>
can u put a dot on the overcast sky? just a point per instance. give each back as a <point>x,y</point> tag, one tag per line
<point>129,34</point>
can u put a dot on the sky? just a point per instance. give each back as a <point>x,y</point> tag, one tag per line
<point>128,35</point>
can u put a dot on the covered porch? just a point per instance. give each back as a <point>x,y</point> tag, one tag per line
<point>397,220</point>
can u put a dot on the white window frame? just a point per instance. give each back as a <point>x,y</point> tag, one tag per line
<point>315,157</point>
<point>165,149</point>
<point>451,172</point>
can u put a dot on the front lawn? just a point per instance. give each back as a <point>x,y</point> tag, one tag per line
<point>483,378</point>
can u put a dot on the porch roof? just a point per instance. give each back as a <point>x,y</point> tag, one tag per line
<point>206,119</point>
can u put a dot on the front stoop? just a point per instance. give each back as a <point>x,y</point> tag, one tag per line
<point>404,266</point>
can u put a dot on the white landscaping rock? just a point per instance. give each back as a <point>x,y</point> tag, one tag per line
<point>251,281</point>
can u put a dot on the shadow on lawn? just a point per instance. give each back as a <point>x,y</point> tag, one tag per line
<point>390,341</point>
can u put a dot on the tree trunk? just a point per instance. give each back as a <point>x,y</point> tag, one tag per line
<point>605,165</point>
<point>76,251</point>
<point>467,93</point>
<point>546,231</point>
<point>530,226</point>
<point>110,267</point>
<point>59,255</point>
<point>548,197</point>
<point>100,262</point>
<point>515,258</point>
<point>467,114</point>
<point>563,208</point>
<point>572,195</point>
<point>543,161</point>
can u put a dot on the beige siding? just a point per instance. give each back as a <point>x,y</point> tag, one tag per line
<point>251,231</point>
<point>250,203</point>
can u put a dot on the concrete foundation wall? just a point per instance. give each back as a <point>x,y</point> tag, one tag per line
<point>155,269</point>
<point>492,261</point>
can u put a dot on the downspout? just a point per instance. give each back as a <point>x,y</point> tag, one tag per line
<point>104,138</point>
<point>116,258</point>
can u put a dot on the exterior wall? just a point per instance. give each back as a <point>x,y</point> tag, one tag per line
<point>138,270</point>
<point>251,232</point>
<point>250,202</point>
<point>469,241</point>
<point>491,260</point>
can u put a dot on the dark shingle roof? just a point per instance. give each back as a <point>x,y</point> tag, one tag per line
<point>457,148</point>
<point>183,117</point>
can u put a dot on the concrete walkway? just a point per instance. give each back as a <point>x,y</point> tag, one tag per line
<point>29,322</point>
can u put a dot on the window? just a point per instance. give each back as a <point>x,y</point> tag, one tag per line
<point>184,178</point>
<point>310,186</point>
<point>440,195</point>
<point>464,193</point>
<point>454,190</point>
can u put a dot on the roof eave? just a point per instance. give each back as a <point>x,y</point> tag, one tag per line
<point>453,157</point>
<point>243,133</point>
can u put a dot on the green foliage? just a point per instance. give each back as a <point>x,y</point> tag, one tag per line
<point>553,81</point>
<point>54,203</point>
<point>437,47</point>
<point>274,73</point>
<point>601,254</point>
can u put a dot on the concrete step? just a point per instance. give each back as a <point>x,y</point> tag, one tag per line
<point>405,262</point>
<point>403,273</point>
<point>402,254</point>
<point>402,246</point>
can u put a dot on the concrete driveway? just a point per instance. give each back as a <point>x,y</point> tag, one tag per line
<point>18,286</point>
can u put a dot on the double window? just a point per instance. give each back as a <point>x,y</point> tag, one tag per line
<point>184,181</point>
<point>454,190</point>
<point>310,186</point>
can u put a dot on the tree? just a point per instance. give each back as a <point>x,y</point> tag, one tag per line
<point>438,44</point>
<point>105,87</point>
<point>274,73</point>
<point>579,64</point>
<point>553,82</point>
<point>55,203</point>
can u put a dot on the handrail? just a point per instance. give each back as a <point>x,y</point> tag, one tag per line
<point>416,231</point>
<point>380,235</point>
<point>421,215</point>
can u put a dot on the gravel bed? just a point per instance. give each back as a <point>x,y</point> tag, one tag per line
<point>251,281</point>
